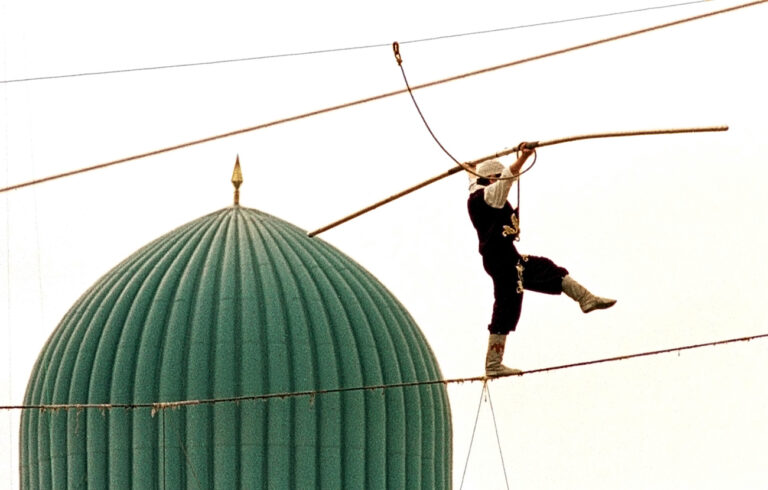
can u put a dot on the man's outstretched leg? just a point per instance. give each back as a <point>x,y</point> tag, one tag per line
<point>587,301</point>
<point>493,365</point>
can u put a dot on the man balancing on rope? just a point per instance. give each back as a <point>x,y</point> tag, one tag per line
<point>497,225</point>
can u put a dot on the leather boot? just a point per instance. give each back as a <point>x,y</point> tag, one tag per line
<point>587,301</point>
<point>493,365</point>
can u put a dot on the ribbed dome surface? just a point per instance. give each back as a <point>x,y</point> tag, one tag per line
<point>237,303</point>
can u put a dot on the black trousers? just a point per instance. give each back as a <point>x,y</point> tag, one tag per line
<point>530,273</point>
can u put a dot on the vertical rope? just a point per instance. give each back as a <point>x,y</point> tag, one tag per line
<point>38,255</point>
<point>9,393</point>
<point>471,440</point>
<point>10,416</point>
<point>165,458</point>
<point>517,205</point>
<point>183,448</point>
<point>498,440</point>
<point>486,392</point>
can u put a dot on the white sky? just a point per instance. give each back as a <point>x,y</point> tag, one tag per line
<point>672,226</point>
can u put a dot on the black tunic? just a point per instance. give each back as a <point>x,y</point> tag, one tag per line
<point>497,230</point>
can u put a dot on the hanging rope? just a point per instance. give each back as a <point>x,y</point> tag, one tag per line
<point>187,459</point>
<point>377,97</point>
<point>165,448</point>
<point>467,168</point>
<point>399,59</point>
<point>472,439</point>
<point>485,393</point>
<point>8,317</point>
<point>532,145</point>
<point>471,170</point>
<point>498,439</point>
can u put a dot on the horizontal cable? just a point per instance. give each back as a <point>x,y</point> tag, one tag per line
<point>157,406</point>
<point>371,99</point>
<point>351,48</point>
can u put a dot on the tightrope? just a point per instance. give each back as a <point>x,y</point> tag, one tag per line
<point>159,406</point>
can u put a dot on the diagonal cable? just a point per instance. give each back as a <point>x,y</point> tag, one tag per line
<point>374,98</point>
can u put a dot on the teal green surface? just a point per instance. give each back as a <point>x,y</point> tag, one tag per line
<point>237,303</point>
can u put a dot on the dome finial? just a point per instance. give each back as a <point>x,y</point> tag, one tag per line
<point>237,180</point>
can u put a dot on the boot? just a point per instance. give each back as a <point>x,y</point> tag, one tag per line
<point>493,365</point>
<point>587,301</point>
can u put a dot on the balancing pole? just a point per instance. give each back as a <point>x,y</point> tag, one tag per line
<point>529,145</point>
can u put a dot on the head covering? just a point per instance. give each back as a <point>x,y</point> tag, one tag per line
<point>489,168</point>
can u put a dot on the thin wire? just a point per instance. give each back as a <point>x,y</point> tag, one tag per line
<point>498,440</point>
<point>165,455</point>
<point>10,421</point>
<point>157,406</point>
<point>562,21</point>
<point>183,448</point>
<point>474,429</point>
<point>343,49</point>
<point>379,97</point>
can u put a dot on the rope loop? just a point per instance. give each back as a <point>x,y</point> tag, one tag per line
<point>396,49</point>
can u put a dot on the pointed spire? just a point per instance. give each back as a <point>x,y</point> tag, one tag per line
<point>237,180</point>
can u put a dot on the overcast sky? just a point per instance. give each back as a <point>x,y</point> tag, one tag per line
<point>672,226</point>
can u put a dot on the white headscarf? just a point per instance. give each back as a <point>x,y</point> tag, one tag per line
<point>495,194</point>
<point>486,169</point>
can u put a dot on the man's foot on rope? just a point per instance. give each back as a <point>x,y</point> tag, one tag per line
<point>493,365</point>
<point>501,370</point>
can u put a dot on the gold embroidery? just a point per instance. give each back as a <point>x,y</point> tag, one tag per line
<point>513,228</point>
<point>520,270</point>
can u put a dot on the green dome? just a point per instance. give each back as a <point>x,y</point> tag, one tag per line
<point>236,304</point>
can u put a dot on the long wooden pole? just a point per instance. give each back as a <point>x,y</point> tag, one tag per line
<point>531,145</point>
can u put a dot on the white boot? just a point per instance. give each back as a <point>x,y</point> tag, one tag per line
<point>493,365</point>
<point>587,301</point>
